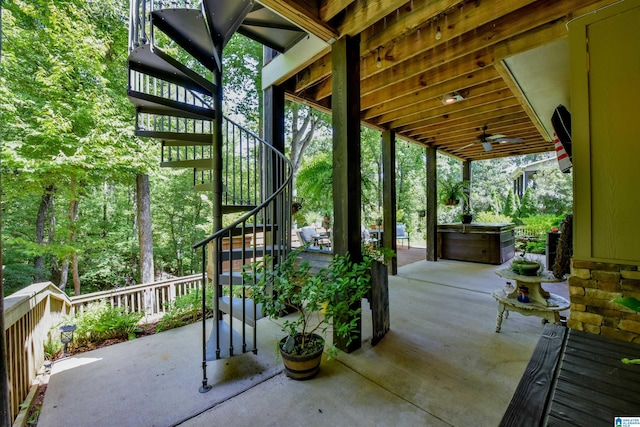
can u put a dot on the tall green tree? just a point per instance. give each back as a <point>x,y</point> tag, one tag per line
<point>68,123</point>
<point>242,82</point>
<point>528,205</point>
<point>511,205</point>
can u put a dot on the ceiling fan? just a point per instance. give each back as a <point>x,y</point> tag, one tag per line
<point>486,139</point>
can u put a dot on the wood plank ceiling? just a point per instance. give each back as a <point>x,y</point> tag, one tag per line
<point>403,91</point>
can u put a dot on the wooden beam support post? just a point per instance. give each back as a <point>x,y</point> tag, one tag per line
<point>273,127</point>
<point>432,205</point>
<point>389,195</point>
<point>466,176</point>
<point>347,194</point>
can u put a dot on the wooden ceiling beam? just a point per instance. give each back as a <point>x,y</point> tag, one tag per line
<point>433,55</point>
<point>466,147</point>
<point>405,92</point>
<point>330,8</point>
<point>478,120</point>
<point>474,97</point>
<point>509,152</point>
<point>362,14</point>
<point>305,15</point>
<point>506,27</point>
<point>509,123</point>
<point>464,43</point>
<point>500,30</point>
<point>465,115</point>
<point>445,129</point>
<point>403,22</point>
<point>514,127</point>
<point>456,18</point>
<point>531,137</point>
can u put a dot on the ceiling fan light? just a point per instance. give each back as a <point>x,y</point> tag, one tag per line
<point>452,98</point>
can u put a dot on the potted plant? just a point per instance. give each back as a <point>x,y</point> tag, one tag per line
<point>322,299</point>
<point>453,192</point>
<point>467,214</point>
<point>522,265</point>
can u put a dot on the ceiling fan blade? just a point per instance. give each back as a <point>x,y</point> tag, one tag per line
<point>466,146</point>
<point>487,146</point>
<point>502,140</point>
<point>494,137</point>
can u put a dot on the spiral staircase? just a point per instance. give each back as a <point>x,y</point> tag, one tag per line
<point>175,83</point>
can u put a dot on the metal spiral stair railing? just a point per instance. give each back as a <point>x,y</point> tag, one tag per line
<point>174,82</point>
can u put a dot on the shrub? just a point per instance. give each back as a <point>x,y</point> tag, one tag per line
<point>185,310</point>
<point>100,322</point>
<point>538,246</point>
<point>492,217</point>
<point>52,347</point>
<point>538,225</point>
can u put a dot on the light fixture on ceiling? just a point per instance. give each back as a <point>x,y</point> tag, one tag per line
<point>452,98</point>
<point>438,32</point>
<point>379,61</point>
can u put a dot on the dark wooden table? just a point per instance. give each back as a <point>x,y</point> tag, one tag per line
<point>576,379</point>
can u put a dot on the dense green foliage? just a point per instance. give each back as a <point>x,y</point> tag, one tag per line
<point>67,139</point>
<point>185,310</point>
<point>100,322</point>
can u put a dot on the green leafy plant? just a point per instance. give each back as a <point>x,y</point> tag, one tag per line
<point>538,225</point>
<point>52,347</point>
<point>322,299</point>
<point>631,303</point>
<point>100,322</point>
<point>453,192</point>
<point>185,310</point>
<point>492,218</point>
<point>524,266</point>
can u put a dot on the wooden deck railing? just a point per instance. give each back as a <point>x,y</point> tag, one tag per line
<point>33,312</point>
<point>523,232</point>
<point>149,298</point>
<point>29,316</point>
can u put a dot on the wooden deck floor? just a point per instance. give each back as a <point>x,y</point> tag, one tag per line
<point>409,256</point>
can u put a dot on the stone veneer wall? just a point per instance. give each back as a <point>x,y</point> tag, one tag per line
<point>592,286</point>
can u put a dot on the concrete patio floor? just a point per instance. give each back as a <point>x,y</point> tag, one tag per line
<point>442,363</point>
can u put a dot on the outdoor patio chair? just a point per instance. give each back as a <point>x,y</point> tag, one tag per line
<point>402,234</point>
<point>309,235</point>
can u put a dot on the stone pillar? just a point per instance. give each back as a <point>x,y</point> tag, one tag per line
<point>592,287</point>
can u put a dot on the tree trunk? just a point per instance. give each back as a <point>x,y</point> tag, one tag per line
<point>301,137</point>
<point>45,205</point>
<point>145,235</point>
<point>73,215</point>
<point>64,275</point>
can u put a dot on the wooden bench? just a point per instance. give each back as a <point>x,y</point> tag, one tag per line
<point>576,378</point>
